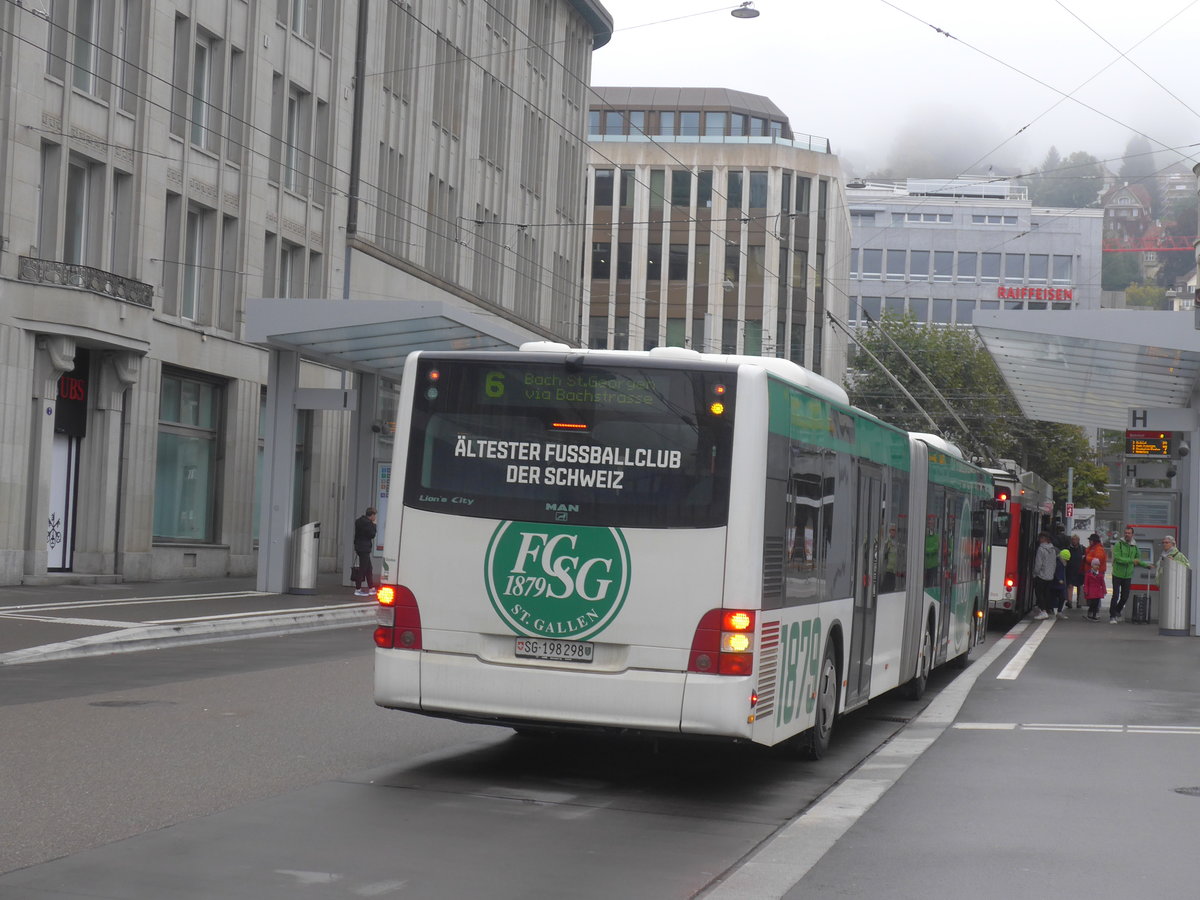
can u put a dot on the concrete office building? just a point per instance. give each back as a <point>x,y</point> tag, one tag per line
<point>166,161</point>
<point>714,227</point>
<point>943,249</point>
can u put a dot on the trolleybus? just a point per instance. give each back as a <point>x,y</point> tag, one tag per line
<point>668,543</point>
<point>1024,502</point>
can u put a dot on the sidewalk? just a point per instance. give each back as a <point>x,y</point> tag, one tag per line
<point>44,622</point>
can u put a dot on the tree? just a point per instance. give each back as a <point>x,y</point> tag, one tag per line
<point>1144,296</point>
<point>966,376</point>
<point>1069,183</point>
<point>959,367</point>
<point>1118,271</point>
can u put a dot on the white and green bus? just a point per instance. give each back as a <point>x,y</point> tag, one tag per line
<point>668,543</point>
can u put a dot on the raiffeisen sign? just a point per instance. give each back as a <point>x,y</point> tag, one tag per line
<point>1030,293</point>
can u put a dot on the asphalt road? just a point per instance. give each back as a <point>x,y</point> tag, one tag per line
<point>261,769</point>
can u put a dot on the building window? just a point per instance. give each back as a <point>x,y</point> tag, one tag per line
<point>666,123</point>
<point>758,127</point>
<point>604,187</point>
<point>689,124</point>
<point>733,193</point>
<point>943,265</point>
<point>918,265</point>
<point>737,124</point>
<point>601,257</point>
<point>966,312</point>
<point>894,306</point>
<point>186,472</point>
<point>1062,269</point>
<point>86,28</point>
<point>968,266</point>
<point>193,255</point>
<point>295,139</point>
<point>201,90</point>
<point>681,188</point>
<point>895,265</point>
<point>612,122</point>
<point>77,235</point>
<point>704,188</point>
<point>677,262</point>
<point>593,121</point>
<point>714,124</point>
<point>942,310</point>
<point>853,262</point>
<point>758,190</point>
<point>872,262</point>
<point>991,267</point>
<point>1014,267</point>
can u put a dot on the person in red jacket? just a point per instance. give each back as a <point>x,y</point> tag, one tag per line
<point>1094,589</point>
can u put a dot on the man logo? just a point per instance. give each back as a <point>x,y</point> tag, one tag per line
<point>556,580</point>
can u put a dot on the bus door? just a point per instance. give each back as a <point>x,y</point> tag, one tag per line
<point>868,546</point>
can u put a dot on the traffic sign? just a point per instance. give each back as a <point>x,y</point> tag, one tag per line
<point>1070,510</point>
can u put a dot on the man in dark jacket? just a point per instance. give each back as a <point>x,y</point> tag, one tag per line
<point>364,543</point>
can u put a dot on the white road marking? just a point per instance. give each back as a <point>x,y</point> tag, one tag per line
<point>1022,656</point>
<point>130,601</point>
<point>1078,728</point>
<point>249,614</point>
<point>62,620</point>
<point>783,861</point>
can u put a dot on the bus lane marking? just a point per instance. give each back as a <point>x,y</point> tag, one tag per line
<point>1022,656</point>
<point>782,861</point>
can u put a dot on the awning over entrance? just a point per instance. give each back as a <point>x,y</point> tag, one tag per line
<point>374,336</point>
<point>1090,367</point>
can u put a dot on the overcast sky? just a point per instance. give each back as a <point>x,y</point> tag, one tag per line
<point>885,87</point>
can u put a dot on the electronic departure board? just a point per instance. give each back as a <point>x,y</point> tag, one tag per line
<point>1148,443</point>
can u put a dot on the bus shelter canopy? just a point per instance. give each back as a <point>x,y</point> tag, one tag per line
<point>375,336</point>
<point>1090,367</point>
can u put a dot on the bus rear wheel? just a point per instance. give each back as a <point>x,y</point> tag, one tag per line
<point>815,741</point>
<point>915,688</point>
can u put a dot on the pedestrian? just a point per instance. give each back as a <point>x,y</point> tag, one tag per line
<point>1124,554</point>
<point>1043,577</point>
<point>1094,590</point>
<point>1095,551</point>
<point>1059,539</point>
<point>1060,582</point>
<point>364,543</point>
<point>1170,554</point>
<point>1076,570</point>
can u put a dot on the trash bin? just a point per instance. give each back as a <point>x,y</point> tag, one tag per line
<point>1172,598</point>
<point>305,543</point>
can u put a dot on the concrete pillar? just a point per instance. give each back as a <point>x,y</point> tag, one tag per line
<point>55,355</point>
<point>360,479</point>
<point>16,375</point>
<point>102,478</point>
<point>135,543</point>
<point>279,463</point>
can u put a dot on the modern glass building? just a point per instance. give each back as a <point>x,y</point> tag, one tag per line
<point>713,226</point>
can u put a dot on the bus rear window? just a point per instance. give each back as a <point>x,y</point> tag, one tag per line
<point>597,445</point>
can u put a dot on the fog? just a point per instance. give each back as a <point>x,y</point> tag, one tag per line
<point>985,90</point>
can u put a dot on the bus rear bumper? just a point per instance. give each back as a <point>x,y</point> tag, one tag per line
<point>467,688</point>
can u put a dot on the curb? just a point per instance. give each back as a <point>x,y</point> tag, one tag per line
<point>157,637</point>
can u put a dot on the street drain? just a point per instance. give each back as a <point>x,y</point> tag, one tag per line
<point>1189,791</point>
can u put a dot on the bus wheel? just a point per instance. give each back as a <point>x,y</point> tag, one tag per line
<point>815,741</point>
<point>915,688</point>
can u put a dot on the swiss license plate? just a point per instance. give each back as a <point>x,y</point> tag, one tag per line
<point>560,651</point>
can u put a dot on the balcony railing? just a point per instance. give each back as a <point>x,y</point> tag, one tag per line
<point>50,271</point>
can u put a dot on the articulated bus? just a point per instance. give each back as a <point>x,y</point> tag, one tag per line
<point>666,543</point>
<point>1025,502</point>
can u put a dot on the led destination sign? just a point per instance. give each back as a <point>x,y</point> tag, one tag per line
<point>1148,443</point>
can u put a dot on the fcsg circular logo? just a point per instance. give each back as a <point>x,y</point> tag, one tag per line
<point>556,580</point>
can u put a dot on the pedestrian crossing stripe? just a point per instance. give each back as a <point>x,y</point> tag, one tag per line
<point>1077,728</point>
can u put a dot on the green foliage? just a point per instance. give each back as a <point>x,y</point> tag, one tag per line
<point>1144,296</point>
<point>1070,183</point>
<point>1118,271</point>
<point>963,372</point>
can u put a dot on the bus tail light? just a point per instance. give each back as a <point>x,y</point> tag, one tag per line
<point>1009,583</point>
<point>399,619</point>
<point>724,643</point>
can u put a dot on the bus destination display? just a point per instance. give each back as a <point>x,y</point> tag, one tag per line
<point>1147,443</point>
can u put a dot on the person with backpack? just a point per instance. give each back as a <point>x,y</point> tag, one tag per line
<point>1125,554</point>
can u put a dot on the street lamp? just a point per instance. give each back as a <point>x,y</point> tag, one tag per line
<point>745,11</point>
